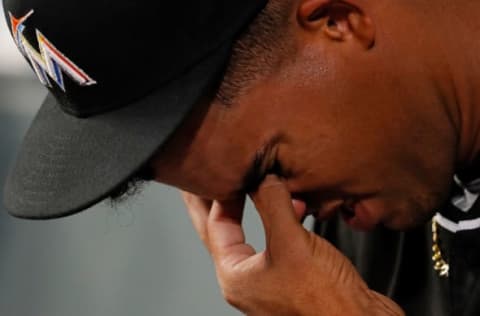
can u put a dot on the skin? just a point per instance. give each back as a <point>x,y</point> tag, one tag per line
<point>377,112</point>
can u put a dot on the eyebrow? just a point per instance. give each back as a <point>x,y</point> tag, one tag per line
<point>254,175</point>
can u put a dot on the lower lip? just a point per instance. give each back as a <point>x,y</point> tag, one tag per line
<point>362,220</point>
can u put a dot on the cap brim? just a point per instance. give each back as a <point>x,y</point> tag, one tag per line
<point>67,164</point>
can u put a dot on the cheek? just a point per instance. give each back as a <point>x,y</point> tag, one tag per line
<point>322,164</point>
<point>335,165</point>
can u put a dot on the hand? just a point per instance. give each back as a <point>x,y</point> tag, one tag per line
<point>298,273</point>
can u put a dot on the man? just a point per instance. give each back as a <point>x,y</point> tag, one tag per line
<point>363,108</point>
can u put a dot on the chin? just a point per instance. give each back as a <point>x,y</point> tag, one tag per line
<point>414,210</point>
<point>401,225</point>
<point>410,219</point>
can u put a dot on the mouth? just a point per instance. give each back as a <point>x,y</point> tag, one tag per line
<point>322,214</point>
<point>354,214</point>
<point>359,218</point>
<point>347,211</point>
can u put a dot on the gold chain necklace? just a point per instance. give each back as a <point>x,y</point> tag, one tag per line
<point>439,264</point>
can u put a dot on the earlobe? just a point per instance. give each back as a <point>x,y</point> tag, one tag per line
<point>339,21</point>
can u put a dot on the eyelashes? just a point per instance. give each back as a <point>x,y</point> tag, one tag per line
<point>264,162</point>
<point>275,169</point>
<point>257,176</point>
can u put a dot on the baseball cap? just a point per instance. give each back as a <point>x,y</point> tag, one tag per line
<point>122,75</point>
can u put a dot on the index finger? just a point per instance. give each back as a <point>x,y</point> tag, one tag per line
<point>198,210</point>
<point>284,233</point>
<point>225,233</point>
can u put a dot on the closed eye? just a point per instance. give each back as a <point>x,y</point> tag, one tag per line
<point>264,162</point>
<point>254,175</point>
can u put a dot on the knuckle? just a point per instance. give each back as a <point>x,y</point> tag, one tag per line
<point>227,288</point>
<point>230,283</point>
<point>346,272</point>
<point>230,297</point>
<point>204,238</point>
<point>187,199</point>
<point>334,263</point>
<point>234,297</point>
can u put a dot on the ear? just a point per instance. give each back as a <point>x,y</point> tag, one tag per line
<point>338,20</point>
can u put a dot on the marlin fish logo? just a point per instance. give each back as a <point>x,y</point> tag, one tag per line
<point>49,63</point>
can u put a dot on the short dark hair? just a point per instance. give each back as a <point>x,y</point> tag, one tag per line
<point>259,50</point>
<point>133,186</point>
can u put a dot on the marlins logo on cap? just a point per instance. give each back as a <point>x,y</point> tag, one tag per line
<point>49,62</point>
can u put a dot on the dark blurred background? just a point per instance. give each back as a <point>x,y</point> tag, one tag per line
<point>142,258</point>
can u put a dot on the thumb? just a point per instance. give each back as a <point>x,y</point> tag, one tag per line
<point>284,233</point>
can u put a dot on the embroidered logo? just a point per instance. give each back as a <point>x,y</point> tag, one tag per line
<point>48,63</point>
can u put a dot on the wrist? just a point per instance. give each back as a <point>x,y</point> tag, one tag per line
<point>356,301</point>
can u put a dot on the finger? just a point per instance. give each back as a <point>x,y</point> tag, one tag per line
<point>284,233</point>
<point>300,208</point>
<point>225,233</point>
<point>198,210</point>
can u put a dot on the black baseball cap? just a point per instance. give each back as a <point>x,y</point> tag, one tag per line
<point>122,75</point>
